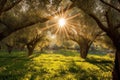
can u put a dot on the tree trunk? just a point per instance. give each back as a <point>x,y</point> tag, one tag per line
<point>30,50</point>
<point>84,50</point>
<point>9,48</point>
<point>42,50</point>
<point>116,70</point>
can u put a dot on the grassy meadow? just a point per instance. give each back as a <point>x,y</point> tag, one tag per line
<point>59,65</point>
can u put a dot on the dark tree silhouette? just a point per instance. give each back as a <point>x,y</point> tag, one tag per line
<point>111,30</point>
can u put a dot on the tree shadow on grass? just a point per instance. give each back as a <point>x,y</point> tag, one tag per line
<point>20,68</point>
<point>13,68</point>
<point>92,73</point>
<point>105,65</point>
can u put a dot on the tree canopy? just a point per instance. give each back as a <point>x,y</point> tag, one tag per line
<point>86,19</point>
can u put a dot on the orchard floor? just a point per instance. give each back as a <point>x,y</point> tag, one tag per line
<point>54,66</point>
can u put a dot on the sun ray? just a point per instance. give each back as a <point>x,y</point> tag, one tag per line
<point>73,23</point>
<point>64,23</point>
<point>73,28</point>
<point>73,16</point>
<point>66,31</point>
<point>57,30</point>
<point>43,29</point>
<point>68,7</point>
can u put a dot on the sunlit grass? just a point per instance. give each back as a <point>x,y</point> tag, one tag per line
<point>54,66</point>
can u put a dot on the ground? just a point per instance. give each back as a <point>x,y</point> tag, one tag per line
<point>55,66</point>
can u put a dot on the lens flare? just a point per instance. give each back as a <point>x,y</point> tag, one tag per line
<point>62,22</point>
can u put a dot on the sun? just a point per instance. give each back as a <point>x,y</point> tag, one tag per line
<point>61,22</point>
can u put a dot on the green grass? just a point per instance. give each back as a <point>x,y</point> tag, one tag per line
<point>54,66</point>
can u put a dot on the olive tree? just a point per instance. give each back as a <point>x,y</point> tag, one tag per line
<point>107,10</point>
<point>18,14</point>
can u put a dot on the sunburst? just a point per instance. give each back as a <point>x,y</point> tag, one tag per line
<point>63,23</point>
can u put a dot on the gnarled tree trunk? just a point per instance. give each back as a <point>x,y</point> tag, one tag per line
<point>84,47</point>
<point>116,70</point>
<point>84,50</point>
<point>30,49</point>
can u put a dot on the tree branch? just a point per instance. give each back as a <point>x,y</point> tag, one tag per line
<point>99,22</point>
<point>98,34</point>
<point>110,5</point>
<point>108,20</point>
<point>8,31</point>
<point>2,4</point>
<point>6,8</point>
<point>111,27</point>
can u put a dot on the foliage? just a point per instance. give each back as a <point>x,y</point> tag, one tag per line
<point>104,41</point>
<point>14,16</point>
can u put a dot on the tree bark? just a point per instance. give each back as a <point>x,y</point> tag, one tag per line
<point>84,50</point>
<point>116,70</point>
<point>83,53</point>
<point>30,50</point>
<point>9,48</point>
